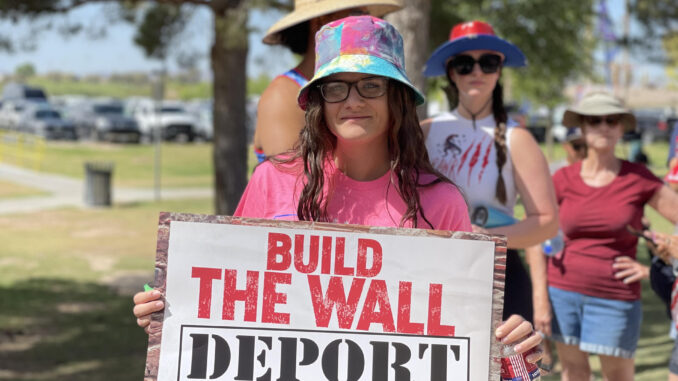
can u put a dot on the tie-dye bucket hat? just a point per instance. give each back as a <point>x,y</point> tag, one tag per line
<point>359,44</point>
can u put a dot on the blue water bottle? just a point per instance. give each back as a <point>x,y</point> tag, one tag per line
<point>553,246</point>
<point>489,217</point>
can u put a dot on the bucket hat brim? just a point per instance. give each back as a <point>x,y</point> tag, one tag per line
<point>598,104</point>
<point>356,63</point>
<point>436,64</point>
<point>377,8</point>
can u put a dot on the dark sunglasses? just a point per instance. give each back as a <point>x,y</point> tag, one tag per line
<point>578,146</point>
<point>610,120</point>
<point>463,64</point>
<point>337,91</point>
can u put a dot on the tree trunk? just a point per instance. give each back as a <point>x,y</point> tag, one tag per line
<point>229,56</point>
<point>413,23</point>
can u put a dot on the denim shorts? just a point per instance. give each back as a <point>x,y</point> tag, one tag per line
<point>597,325</point>
<point>673,362</point>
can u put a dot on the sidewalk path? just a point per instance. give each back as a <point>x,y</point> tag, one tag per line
<point>67,191</point>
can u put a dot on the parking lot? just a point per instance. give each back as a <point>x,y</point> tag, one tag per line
<point>30,110</point>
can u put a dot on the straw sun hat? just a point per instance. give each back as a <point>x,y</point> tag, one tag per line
<point>305,10</point>
<point>598,104</point>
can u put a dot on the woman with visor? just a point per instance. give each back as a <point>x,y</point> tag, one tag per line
<point>493,161</point>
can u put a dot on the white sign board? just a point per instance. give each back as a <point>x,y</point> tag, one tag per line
<point>268,300</point>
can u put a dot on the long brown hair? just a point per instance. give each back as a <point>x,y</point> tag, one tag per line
<point>500,118</point>
<point>406,147</point>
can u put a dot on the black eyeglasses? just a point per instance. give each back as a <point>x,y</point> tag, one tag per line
<point>610,120</point>
<point>463,64</point>
<point>337,91</point>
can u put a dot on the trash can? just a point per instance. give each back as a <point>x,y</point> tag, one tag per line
<point>98,183</point>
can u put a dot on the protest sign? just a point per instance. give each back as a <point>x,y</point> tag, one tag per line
<point>250,299</point>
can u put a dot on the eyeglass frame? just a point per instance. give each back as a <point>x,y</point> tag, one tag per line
<point>352,84</point>
<point>451,64</point>
<point>612,120</point>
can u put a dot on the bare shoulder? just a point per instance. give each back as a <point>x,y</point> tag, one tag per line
<point>279,117</point>
<point>522,143</point>
<point>522,136</point>
<point>281,91</point>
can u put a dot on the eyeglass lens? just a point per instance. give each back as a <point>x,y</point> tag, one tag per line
<point>610,120</point>
<point>463,64</point>
<point>337,91</point>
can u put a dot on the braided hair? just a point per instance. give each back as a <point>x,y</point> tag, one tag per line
<point>500,117</point>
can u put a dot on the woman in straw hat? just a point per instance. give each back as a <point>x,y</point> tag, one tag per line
<point>594,284</point>
<point>279,119</point>
<point>479,148</point>
<point>361,157</point>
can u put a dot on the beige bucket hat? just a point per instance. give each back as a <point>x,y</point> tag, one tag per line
<point>305,10</point>
<point>598,104</point>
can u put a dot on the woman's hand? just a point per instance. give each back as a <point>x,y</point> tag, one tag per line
<point>145,303</point>
<point>630,270</point>
<point>518,331</point>
<point>542,315</point>
<point>665,246</point>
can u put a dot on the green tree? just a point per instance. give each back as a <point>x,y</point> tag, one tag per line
<point>24,72</point>
<point>159,28</point>
<point>228,61</point>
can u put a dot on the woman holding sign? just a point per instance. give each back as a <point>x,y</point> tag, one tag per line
<point>361,158</point>
<point>478,147</point>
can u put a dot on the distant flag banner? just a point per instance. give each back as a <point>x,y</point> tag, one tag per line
<point>605,27</point>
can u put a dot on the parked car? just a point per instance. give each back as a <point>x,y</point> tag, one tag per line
<point>652,124</point>
<point>10,113</point>
<point>45,121</point>
<point>537,125</point>
<point>203,114</point>
<point>21,92</point>
<point>171,117</point>
<point>104,120</point>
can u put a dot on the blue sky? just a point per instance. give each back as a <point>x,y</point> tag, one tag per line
<point>117,53</point>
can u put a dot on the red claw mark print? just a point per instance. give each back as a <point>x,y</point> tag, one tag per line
<point>463,157</point>
<point>472,163</point>
<point>486,160</point>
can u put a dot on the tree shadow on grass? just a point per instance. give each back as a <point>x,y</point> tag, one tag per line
<point>53,329</point>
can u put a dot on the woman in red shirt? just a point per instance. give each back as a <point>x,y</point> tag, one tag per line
<point>594,284</point>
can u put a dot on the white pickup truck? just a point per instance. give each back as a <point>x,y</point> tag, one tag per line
<point>174,121</point>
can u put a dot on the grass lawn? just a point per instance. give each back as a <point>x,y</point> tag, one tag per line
<point>11,190</point>
<point>66,277</point>
<point>183,165</point>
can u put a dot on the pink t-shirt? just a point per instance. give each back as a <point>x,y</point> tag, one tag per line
<point>593,220</point>
<point>273,193</point>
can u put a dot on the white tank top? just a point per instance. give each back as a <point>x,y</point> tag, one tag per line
<point>468,157</point>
